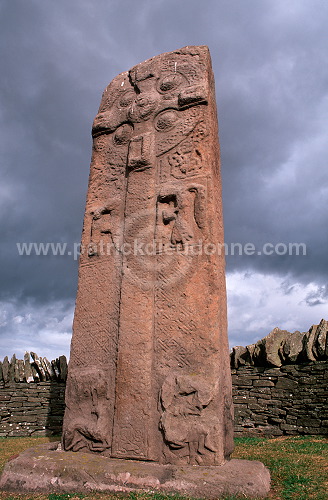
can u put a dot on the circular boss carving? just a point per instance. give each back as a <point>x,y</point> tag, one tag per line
<point>170,82</point>
<point>127,99</point>
<point>166,120</point>
<point>123,135</point>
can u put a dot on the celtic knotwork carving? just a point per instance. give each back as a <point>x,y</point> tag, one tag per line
<point>172,353</point>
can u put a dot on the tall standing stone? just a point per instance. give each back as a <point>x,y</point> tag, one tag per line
<point>149,374</point>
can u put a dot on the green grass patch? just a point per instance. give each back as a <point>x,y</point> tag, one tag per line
<point>298,465</point>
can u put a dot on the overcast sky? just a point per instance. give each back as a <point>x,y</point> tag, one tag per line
<point>270,60</point>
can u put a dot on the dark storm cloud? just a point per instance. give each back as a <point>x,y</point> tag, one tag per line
<point>270,64</point>
<point>273,103</point>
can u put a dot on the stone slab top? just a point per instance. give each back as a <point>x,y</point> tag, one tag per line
<point>46,468</point>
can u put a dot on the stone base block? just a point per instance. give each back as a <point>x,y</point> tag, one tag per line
<point>46,468</point>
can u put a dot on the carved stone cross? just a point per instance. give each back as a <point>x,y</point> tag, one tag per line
<point>149,371</point>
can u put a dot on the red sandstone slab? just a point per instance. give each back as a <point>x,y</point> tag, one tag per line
<point>150,320</point>
<point>46,468</point>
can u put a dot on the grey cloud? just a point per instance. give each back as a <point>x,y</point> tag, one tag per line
<point>317,297</point>
<point>28,327</point>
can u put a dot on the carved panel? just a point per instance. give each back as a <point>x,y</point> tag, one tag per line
<point>170,82</point>
<point>106,229</point>
<point>131,442</point>
<point>174,126</point>
<point>86,424</point>
<point>181,213</point>
<point>186,428</point>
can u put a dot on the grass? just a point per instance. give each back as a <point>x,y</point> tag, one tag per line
<point>298,467</point>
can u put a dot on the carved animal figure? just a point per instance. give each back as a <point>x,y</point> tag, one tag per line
<point>184,399</point>
<point>88,427</point>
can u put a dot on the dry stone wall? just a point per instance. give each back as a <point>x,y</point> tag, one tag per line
<point>280,384</point>
<point>291,399</point>
<point>280,387</point>
<point>32,394</point>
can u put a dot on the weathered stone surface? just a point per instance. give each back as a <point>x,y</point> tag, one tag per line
<point>299,390</point>
<point>251,349</point>
<point>259,358</point>
<point>263,383</point>
<point>38,366</point>
<point>239,357</point>
<point>62,368</point>
<point>267,349</point>
<point>281,348</point>
<point>320,340</point>
<point>20,369</point>
<point>286,383</point>
<point>27,368</point>
<point>149,374</point>
<point>44,369</point>
<point>55,367</point>
<point>46,469</point>
<point>31,408</point>
<point>15,368</point>
<point>291,349</point>
<point>308,342</point>
<point>49,370</point>
<point>5,369</point>
<point>11,371</point>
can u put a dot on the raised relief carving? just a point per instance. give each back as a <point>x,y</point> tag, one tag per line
<point>166,98</point>
<point>123,134</point>
<point>87,417</point>
<point>131,442</point>
<point>174,126</point>
<point>188,434</point>
<point>141,152</point>
<point>189,157</point>
<point>169,83</point>
<point>195,94</point>
<point>101,226</point>
<point>99,345</point>
<point>181,214</point>
<point>185,161</point>
<point>166,120</point>
<point>142,107</point>
<point>105,233</point>
<point>172,354</point>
